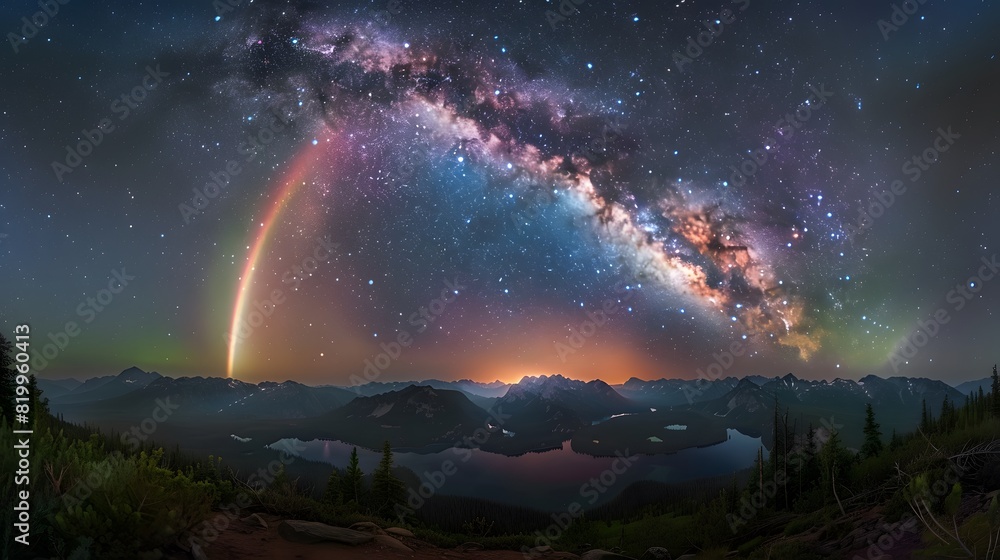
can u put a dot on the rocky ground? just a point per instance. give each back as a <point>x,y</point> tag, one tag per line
<point>261,537</point>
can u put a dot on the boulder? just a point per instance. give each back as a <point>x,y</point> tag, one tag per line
<point>367,527</point>
<point>656,553</point>
<point>197,553</point>
<point>310,532</point>
<point>603,555</point>
<point>386,541</point>
<point>400,532</point>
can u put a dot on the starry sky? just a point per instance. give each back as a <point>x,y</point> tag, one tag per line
<point>396,190</point>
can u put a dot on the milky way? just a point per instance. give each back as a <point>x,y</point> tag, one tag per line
<point>696,249</point>
<point>544,164</point>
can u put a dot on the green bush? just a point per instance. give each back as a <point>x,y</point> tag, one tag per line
<point>800,524</point>
<point>138,507</point>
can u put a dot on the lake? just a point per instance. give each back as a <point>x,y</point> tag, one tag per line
<point>539,480</point>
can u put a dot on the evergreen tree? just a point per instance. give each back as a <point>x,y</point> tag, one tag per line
<point>947,420</point>
<point>39,406</point>
<point>995,394</point>
<point>895,442</point>
<point>334,494</point>
<point>925,418</point>
<point>353,481</point>
<point>811,441</point>
<point>281,481</point>
<point>7,380</point>
<point>873,437</point>
<point>835,461</point>
<point>773,460</point>
<point>387,490</point>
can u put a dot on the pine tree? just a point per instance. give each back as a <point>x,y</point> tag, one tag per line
<point>775,452</point>
<point>7,380</point>
<point>925,418</point>
<point>873,437</point>
<point>995,394</point>
<point>353,481</point>
<point>947,421</point>
<point>387,490</point>
<point>334,494</point>
<point>39,406</point>
<point>834,461</point>
<point>895,442</point>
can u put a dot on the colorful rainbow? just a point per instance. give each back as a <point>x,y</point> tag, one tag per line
<point>300,166</point>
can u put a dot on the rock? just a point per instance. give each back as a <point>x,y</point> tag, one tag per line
<point>470,547</point>
<point>392,544</point>
<point>687,557</point>
<point>656,553</point>
<point>197,553</point>
<point>367,527</point>
<point>255,520</point>
<point>544,549</point>
<point>310,532</point>
<point>603,555</point>
<point>400,532</point>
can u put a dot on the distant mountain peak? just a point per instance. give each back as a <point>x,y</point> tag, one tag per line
<point>135,374</point>
<point>745,383</point>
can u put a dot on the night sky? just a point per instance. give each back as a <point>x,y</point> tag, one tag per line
<point>284,190</point>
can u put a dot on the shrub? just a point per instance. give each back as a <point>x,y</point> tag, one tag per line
<point>139,507</point>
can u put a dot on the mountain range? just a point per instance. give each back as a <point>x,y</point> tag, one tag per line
<point>534,414</point>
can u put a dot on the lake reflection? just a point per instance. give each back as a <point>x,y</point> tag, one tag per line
<point>551,480</point>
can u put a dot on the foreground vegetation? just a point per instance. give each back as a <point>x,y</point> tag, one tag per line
<point>932,493</point>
